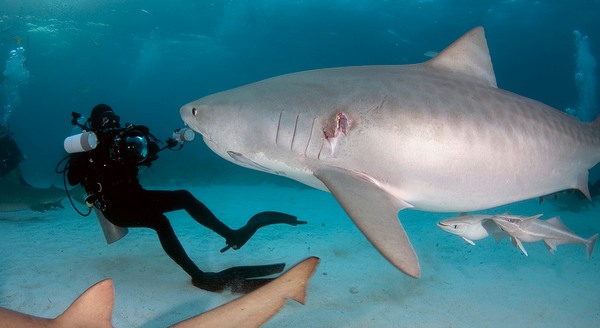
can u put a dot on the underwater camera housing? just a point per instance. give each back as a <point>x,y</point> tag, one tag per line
<point>130,144</point>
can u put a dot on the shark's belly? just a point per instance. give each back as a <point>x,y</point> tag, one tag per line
<point>466,187</point>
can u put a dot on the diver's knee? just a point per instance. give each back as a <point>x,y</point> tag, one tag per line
<point>183,193</point>
<point>186,197</point>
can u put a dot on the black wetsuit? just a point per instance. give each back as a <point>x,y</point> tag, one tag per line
<point>114,184</point>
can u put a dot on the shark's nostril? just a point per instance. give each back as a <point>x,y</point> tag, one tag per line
<point>194,111</point>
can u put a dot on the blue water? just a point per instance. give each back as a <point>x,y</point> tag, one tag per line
<point>148,58</point>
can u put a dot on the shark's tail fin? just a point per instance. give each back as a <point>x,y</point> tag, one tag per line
<point>92,309</point>
<point>590,244</point>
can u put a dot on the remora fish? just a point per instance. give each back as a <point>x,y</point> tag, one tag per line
<point>432,136</point>
<point>93,309</point>
<point>16,194</point>
<point>552,231</point>
<point>471,227</point>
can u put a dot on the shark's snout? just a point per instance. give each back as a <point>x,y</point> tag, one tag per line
<point>190,114</point>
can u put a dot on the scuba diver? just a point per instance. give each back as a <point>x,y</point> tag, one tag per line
<point>109,174</point>
<point>10,154</point>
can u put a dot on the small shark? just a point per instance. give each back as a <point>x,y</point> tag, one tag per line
<point>16,194</point>
<point>93,309</point>
<point>257,307</point>
<point>471,227</point>
<point>552,231</point>
<point>382,139</point>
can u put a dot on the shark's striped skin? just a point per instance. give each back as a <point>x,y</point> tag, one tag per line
<point>435,136</point>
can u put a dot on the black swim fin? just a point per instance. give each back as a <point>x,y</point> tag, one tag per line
<point>258,221</point>
<point>239,279</point>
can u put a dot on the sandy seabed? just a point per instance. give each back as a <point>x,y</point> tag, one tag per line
<point>49,258</point>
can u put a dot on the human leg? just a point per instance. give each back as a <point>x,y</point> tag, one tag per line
<point>167,201</point>
<point>147,218</point>
<point>172,246</point>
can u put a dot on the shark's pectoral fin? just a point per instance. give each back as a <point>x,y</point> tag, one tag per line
<point>242,160</point>
<point>375,212</point>
<point>468,240</point>
<point>520,244</point>
<point>498,236</point>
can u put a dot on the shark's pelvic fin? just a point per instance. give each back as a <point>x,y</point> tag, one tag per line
<point>375,212</point>
<point>468,56</point>
<point>583,186</point>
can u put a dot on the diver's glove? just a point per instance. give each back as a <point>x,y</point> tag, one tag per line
<point>242,235</point>
<point>241,279</point>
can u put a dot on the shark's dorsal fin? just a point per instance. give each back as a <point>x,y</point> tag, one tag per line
<point>534,217</point>
<point>468,56</point>
<point>92,309</point>
<point>557,222</point>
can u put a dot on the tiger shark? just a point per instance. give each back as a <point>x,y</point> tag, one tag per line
<point>436,136</point>
<point>17,194</point>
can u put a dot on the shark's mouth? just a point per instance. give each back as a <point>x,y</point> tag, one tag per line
<point>242,160</point>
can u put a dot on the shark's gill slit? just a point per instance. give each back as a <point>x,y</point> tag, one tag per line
<point>321,148</point>
<point>294,133</point>
<point>312,128</point>
<point>278,127</point>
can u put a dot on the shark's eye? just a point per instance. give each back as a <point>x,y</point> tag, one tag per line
<point>455,226</point>
<point>194,111</point>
